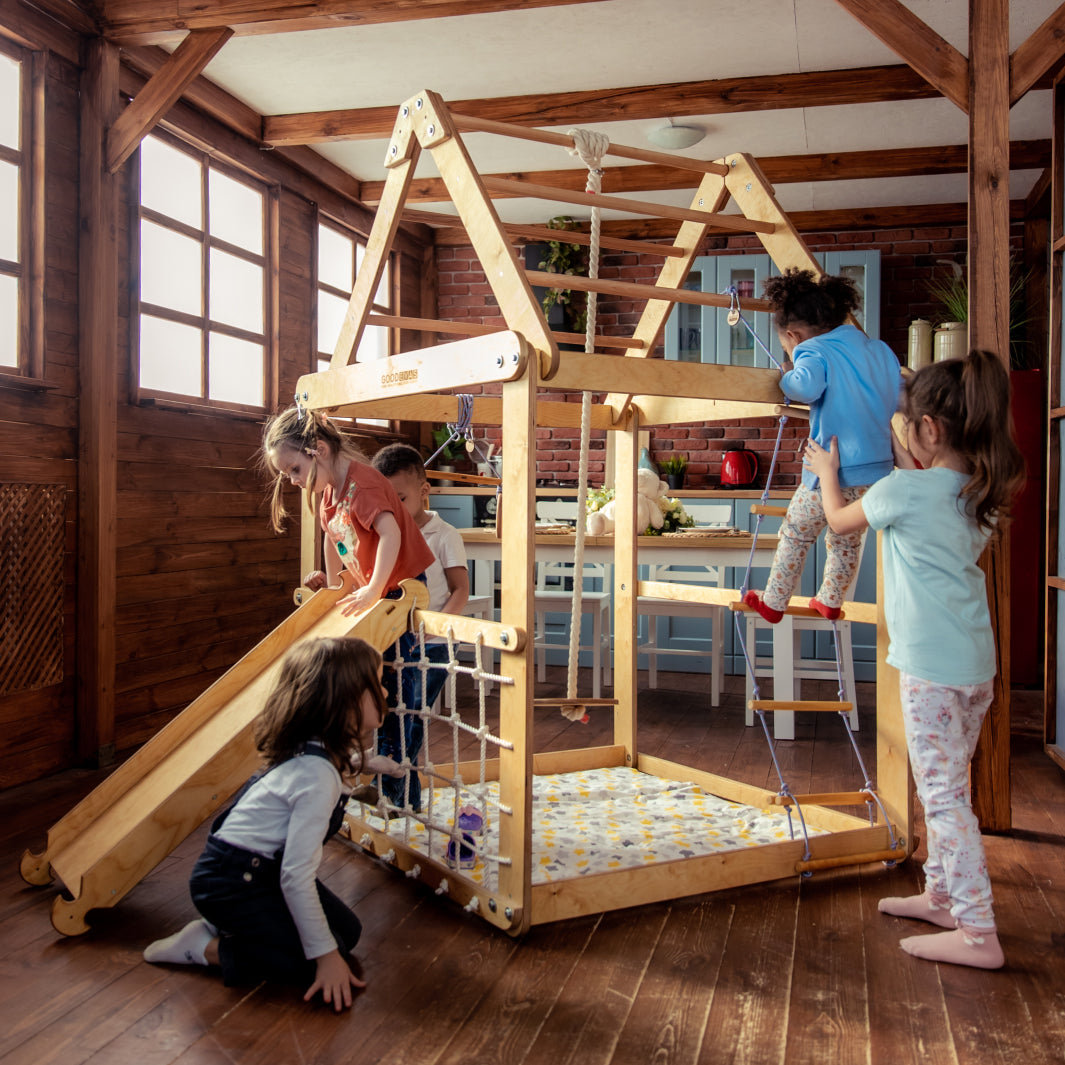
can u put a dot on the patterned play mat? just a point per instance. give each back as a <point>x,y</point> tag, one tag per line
<point>592,822</point>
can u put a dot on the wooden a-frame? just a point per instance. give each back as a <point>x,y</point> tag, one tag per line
<point>525,361</point>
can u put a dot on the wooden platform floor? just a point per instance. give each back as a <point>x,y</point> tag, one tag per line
<point>797,971</point>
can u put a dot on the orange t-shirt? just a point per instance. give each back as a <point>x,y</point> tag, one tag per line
<point>348,518</point>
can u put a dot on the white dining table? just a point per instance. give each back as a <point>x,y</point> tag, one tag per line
<point>711,548</point>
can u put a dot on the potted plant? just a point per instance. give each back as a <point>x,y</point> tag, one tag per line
<point>673,468</point>
<point>563,257</point>
<point>448,454</point>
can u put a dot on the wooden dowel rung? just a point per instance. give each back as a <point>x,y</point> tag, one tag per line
<point>600,341</point>
<point>465,478</point>
<point>470,124</point>
<point>637,291</point>
<point>734,222</point>
<point>818,705</point>
<point>432,325</point>
<point>852,859</point>
<point>591,703</point>
<point>826,798</point>
<point>789,411</point>
<point>579,236</point>
<point>772,512</point>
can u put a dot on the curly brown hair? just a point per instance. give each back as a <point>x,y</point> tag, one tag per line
<point>800,297</point>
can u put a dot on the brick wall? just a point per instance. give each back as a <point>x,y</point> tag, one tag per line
<point>909,259</point>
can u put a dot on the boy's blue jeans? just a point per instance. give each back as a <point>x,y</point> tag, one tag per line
<point>389,741</point>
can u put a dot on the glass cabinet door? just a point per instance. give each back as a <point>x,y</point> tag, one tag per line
<point>685,328</point>
<point>736,344</point>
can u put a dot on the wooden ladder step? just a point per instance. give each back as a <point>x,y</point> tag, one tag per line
<point>814,864</point>
<point>825,798</point>
<point>637,291</point>
<point>773,512</point>
<point>799,608</point>
<point>736,223</point>
<point>820,705</point>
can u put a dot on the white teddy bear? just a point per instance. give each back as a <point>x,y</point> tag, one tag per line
<point>649,489</point>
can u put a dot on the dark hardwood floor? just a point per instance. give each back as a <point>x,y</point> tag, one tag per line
<point>797,971</point>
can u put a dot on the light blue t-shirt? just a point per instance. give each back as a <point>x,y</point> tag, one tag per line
<point>852,385</point>
<point>935,598</point>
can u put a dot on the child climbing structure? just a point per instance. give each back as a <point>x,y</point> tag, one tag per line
<point>475,840</point>
<point>526,364</point>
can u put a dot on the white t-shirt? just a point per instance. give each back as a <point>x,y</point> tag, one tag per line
<point>289,807</point>
<point>445,542</point>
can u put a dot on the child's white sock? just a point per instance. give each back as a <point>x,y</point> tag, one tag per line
<point>182,948</point>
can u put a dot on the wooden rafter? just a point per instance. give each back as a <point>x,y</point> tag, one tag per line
<point>159,21</point>
<point>1037,55</point>
<point>936,60</point>
<point>163,90</point>
<point>778,169</point>
<point>827,88</point>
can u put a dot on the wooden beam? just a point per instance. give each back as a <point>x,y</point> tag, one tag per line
<point>163,90</point>
<point>1037,55</point>
<point>778,169</point>
<point>159,21</point>
<point>823,88</point>
<point>936,60</point>
<point>989,313</point>
<point>98,410</point>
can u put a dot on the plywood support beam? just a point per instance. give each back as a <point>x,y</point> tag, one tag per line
<point>936,60</point>
<point>163,90</point>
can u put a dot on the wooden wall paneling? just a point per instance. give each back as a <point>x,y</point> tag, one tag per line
<point>98,296</point>
<point>989,284</point>
<point>1055,410</point>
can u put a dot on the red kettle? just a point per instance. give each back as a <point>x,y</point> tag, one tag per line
<point>739,467</point>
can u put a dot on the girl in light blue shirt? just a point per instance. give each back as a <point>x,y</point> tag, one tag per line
<point>953,486</point>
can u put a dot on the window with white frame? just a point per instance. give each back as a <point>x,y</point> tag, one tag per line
<point>340,258</point>
<point>203,292</point>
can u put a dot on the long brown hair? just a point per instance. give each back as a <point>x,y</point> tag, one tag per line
<point>799,296</point>
<point>302,430</point>
<point>318,696</point>
<point>970,399</point>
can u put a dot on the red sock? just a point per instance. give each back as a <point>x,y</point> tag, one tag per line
<point>753,599</point>
<point>830,612</point>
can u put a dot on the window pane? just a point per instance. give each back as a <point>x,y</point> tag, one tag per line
<point>10,112</point>
<point>335,259</point>
<point>381,297</point>
<point>171,269</point>
<point>331,311</point>
<point>235,370</point>
<point>170,182</point>
<point>9,212</point>
<point>374,344</point>
<point>236,296</point>
<point>236,212</point>
<point>170,358</point>
<point>8,320</point>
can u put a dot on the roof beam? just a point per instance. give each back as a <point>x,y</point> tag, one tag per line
<point>1037,55</point>
<point>163,90</point>
<point>936,60</point>
<point>162,21</point>
<point>778,169</point>
<point>716,97</point>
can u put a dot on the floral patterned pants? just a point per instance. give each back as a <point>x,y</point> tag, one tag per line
<point>942,727</point>
<point>802,525</point>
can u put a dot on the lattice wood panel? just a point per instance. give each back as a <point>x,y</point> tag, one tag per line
<point>31,586</point>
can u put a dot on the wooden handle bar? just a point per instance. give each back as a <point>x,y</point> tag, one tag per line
<point>853,859</point>
<point>735,222</point>
<point>579,236</point>
<point>820,705</point>
<point>432,325</point>
<point>827,798</point>
<point>465,478</point>
<point>637,291</point>
<point>470,124</point>
<point>772,512</point>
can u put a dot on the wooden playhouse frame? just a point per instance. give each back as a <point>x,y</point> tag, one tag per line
<point>524,361</point>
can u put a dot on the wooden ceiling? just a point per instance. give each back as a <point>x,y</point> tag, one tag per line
<point>929,68</point>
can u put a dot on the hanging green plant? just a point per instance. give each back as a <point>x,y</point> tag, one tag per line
<point>563,257</point>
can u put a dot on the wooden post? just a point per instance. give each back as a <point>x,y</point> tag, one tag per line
<point>626,458</point>
<point>989,287</point>
<point>97,335</point>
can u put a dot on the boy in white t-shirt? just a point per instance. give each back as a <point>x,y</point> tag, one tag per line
<point>449,589</point>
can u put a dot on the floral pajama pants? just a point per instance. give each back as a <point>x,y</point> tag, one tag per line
<point>942,727</point>
<point>802,525</point>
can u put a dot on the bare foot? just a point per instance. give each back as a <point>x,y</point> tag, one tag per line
<point>923,907</point>
<point>978,948</point>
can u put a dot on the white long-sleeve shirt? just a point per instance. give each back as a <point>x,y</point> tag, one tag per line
<point>289,808</point>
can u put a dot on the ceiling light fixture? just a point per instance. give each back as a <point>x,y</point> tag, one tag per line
<point>674,137</point>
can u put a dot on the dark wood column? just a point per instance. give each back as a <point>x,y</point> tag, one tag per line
<point>97,360</point>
